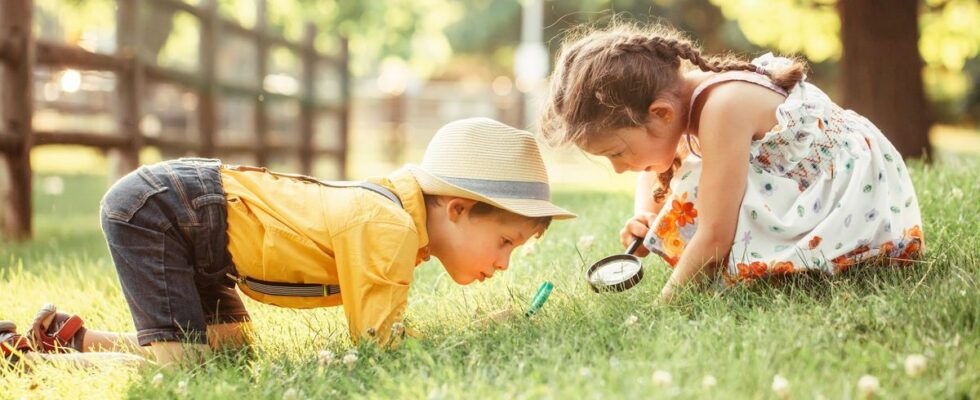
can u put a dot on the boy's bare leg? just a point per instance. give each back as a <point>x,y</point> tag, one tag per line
<point>231,335</point>
<point>102,341</point>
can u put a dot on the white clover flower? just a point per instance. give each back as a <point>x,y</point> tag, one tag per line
<point>915,364</point>
<point>780,386</point>
<point>350,359</point>
<point>631,320</point>
<point>868,385</point>
<point>157,380</point>
<point>181,388</point>
<point>585,372</point>
<point>662,378</point>
<point>585,241</point>
<point>956,193</point>
<point>325,358</point>
<point>290,394</point>
<point>709,382</point>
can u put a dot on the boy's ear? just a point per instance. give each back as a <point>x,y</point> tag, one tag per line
<point>661,109</point>
<point>456,207</point>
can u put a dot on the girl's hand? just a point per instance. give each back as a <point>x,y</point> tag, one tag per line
<point>637,227</point>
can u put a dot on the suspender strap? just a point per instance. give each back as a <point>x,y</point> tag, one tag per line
<point>290,289</point>
<point>311,289</point>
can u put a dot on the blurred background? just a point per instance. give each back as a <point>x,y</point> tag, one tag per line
<point>349,89</point>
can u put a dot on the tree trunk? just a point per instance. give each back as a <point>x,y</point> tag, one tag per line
<point>882,70</point>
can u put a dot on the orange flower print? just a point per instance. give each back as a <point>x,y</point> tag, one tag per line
<point>665,226</point>
<point>752,271</point>
<point>682,211</point>
<point>815,241</point>
<point>782,267</point>
<point>886,248</point>
<point>842,263</point>
<point>672,261</point>
<point>673,244</point>
<point>914,232</point>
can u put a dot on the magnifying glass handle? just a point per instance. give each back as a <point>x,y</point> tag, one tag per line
<point>635,245</point>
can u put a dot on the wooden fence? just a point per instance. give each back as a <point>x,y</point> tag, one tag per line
<point>21,53</point>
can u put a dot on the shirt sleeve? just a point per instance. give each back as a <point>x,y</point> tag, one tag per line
<point>375,263</point>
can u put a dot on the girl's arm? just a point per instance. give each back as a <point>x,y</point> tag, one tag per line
<point>726,128</point>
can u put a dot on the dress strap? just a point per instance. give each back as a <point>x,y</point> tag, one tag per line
<point>753,77</point>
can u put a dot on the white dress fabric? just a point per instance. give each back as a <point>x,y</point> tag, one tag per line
<point>825,190</point>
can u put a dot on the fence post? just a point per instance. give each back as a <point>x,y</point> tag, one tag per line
<point>17,99</point>
<point>343,119</point>
<point>208,95</point>
<point>262,69</point>
<point>307,116</point>
<point>130,86</point>
<point>395,144</point>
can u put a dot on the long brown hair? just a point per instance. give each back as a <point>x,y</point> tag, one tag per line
<point>605,79</point>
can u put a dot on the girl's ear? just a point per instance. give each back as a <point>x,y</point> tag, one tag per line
<point>457,207</point>
<point>662,110</point>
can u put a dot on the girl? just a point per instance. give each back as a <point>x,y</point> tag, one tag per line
<point>757,172</point>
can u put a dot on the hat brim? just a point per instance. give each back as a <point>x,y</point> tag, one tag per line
<point>533,208</point>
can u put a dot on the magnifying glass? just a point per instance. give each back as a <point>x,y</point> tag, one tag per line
<point>618,272</point>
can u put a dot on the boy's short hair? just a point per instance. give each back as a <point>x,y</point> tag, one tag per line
<point>483,209</point>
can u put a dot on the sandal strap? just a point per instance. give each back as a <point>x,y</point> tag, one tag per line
<point>62,335</point>
<point>12,345</point>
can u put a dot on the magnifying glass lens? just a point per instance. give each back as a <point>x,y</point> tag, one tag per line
<point>615,272</point>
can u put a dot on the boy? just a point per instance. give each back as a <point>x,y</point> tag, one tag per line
<point>183,233</point>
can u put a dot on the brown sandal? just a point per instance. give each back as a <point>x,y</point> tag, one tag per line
<point>64,333</point>
<point>12,344</point>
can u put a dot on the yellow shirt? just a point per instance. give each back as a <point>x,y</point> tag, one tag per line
<point>291,230</point>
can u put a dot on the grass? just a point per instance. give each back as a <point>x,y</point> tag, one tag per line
<point>820,333</point>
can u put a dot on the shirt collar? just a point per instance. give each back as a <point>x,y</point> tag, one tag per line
<point>403,183</point>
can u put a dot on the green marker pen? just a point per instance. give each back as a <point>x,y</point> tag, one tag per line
<point>539,298</point>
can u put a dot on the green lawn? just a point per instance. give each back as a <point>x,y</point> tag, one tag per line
<point>821,334</point>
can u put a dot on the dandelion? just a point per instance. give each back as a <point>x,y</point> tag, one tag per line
<point>915,364</point>
<point>350,359</point>
<point>157,380</point>
<point>662,378</point>
<point>631,320</point>
<point>181,388</point>
<point>325,358</point>
<point>290,394</point>
<point>868,385</point>
<point>780,386</point>
<point>585,242</point>
<point>709,382</point>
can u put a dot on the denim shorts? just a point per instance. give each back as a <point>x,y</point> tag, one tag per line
<point>165,225</point>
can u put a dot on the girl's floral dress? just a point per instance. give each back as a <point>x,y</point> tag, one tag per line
<point>825,190</point>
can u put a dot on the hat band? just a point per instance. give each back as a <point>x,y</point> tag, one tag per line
<point>503,189</point>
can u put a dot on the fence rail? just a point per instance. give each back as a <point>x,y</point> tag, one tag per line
<point>21,53</point>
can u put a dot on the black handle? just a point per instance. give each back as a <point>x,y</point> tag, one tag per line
<point>635,245</point>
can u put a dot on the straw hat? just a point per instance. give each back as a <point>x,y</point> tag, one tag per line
<point>488,161</point>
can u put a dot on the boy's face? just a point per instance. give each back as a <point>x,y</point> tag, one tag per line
<point>473,247</point>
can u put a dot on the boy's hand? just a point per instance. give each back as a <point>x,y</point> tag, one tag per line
<point>637,227</point>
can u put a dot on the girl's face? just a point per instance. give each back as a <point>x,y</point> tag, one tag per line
<point>650,147</point>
